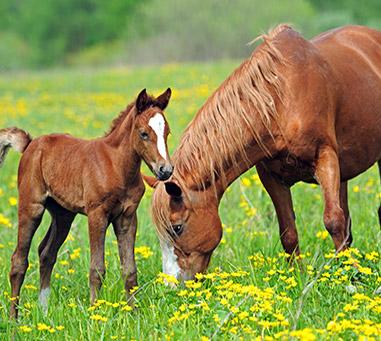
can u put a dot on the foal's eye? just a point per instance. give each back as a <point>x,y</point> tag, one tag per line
<point>143,135</point>
<point>177,229</point>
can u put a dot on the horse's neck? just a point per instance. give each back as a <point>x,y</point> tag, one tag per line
<point>254,154</point>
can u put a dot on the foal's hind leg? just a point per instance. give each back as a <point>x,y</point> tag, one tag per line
<point>29,214</point>
<point>49,247</point>
<point>379,208</point>
<point>125,231</point>
<point>327,173</point>
<point>344,206</point>
<point>98,223</point>
<point>281,198</point>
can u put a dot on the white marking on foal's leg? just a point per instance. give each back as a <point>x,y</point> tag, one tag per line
<point>43,298</point>
<point>157,123</point>
<point>170,265</point>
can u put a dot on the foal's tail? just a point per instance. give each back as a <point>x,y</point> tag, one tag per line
<point>15,138</point>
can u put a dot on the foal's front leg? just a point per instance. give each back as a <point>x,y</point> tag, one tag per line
<point>327,173</point>
<point>125,231</point>
<point>98,223</point>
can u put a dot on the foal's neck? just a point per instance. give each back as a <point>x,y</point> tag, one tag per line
<point>120,139</point>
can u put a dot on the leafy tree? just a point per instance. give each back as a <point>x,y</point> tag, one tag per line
<point>54,28</point>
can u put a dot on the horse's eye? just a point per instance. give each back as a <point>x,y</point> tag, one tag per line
<point>143,135</point>
<point>177,229</point>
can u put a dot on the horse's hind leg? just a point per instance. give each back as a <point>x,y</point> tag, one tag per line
<point>344,206</point>
<point>125,231</point>
<point>327,173</point>
<point>281,198</point>
<point>29,214</point>
<point>379,208</point>
<point>98,223</point>
<point>49,247</point>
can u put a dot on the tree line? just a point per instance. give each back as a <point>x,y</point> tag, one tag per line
<point>35,33</point>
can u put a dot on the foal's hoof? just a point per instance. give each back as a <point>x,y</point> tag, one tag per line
<point>43,299</point>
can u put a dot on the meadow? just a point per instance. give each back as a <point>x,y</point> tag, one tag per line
<point>250,290</point>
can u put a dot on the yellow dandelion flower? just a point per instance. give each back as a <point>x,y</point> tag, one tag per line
<point>126,308</point>
<point>246,182</point>
<point>42,327</point>
<point>30,287</point>
<point>97,317</point>
<point>322,235</point>
<point>25,329</point>
<point>12,201</point>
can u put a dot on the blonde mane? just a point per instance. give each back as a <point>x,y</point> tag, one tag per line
<point>214,138</point>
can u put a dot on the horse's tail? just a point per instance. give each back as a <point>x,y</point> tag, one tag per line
<point>15,138</point>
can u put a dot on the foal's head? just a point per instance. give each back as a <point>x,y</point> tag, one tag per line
<point>151,131</point>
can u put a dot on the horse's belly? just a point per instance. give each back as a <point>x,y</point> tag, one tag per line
<point>290,170</point>
<point>359,140</point>
<point>68,203</point>
<point>357,158</point>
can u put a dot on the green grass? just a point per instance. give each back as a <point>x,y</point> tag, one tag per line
<point>83,103</point>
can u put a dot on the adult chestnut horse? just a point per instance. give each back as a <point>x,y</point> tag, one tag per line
<point>299,110</point>
<point>99,178</point>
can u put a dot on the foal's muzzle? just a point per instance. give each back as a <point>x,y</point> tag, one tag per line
<point>164,172</point>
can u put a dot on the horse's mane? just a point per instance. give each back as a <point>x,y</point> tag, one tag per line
<point>116,122</point>
<point>214,138</point>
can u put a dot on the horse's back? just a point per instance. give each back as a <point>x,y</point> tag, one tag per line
<point>56,161</point>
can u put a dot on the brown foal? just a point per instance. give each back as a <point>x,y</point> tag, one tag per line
<point>99,178</point>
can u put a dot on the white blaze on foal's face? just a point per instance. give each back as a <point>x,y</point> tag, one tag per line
<point>157,123</point>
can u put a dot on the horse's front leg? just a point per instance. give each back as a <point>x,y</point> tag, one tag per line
<point>345,207</point>
<point>98,223</point>
<point>281,198</point>
<point>327,173</point>
<point>125,231</point>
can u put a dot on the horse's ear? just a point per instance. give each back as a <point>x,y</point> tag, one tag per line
<point>142,101</point>
<point>173,189</point>
<point>163,99</point>
<point>150,181</point>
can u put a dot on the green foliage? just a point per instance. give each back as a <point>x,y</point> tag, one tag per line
<point>54,28</point>
<point>205,30</point>
<point>362,12</point>
<point>38,33</point>
<point>14,52</point>
<point>341,12</point>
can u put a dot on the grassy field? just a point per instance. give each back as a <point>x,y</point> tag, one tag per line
<point>250,290</point>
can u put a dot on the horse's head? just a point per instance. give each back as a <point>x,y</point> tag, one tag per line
<point>188,226</point>
<point>151,131</point>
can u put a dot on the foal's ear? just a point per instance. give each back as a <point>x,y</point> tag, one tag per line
<point>150,181</point>
<point>163,99</point>
<point>142,101</point>
<point>173,189</point>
